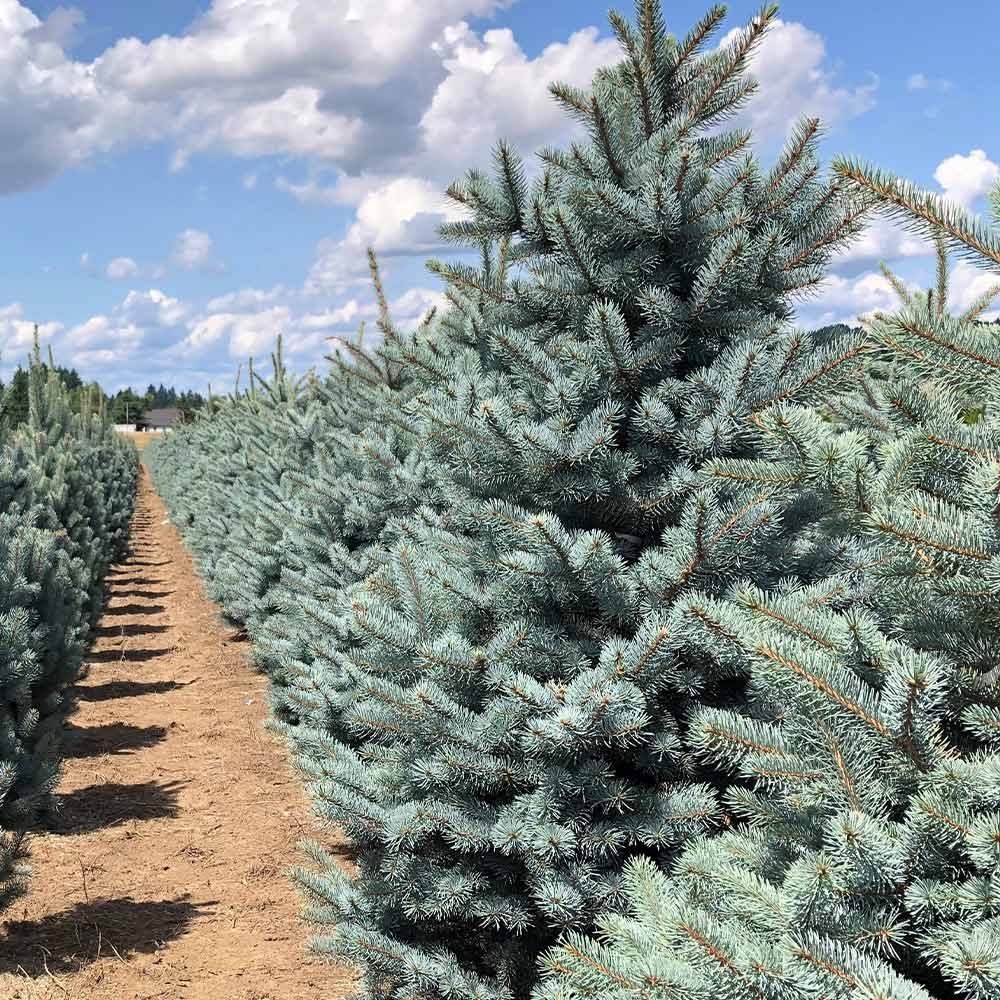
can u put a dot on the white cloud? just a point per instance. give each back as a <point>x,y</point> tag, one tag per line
<point>881,240</point>
<point>60,29</point>
<point>154,308</point>
<point>968,283</point>
<point>492,89</point>
<point>410,308</point>
<point>402,217</point>
<point>966,178</point>
<point>842,300</point>
<point>310,192</point>
<point>17,335</point>
<point>122,267</point>
<point>192,249</point>
<point>247,298</point>
<point>347,313</point>
<point>83,334</point>
<point>920,81</point>
<point>250,182</point>
<point>790,64</point>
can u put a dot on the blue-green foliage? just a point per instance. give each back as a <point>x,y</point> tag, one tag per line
<point>509,720</point>
<point>280,495</point>
<point>488,665</point>
<point>222,480</point>
<point>865,846</point>
<point>67,488</point>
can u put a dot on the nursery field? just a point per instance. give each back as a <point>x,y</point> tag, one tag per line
<point>164,875</point>
<point>602,634</point>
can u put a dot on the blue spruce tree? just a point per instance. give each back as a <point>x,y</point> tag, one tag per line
<point>866,851</point>
<point>67,487</point>
<point>504,703</point>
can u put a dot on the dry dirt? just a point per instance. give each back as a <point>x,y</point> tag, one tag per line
<point>139,438</point>
<point>165,875</point>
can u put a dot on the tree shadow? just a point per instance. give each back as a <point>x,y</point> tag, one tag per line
<point>111,738</point>
<point>150,594</point>
<point>98,807</point>
<point>125,655</point>
<point>120,585</point>
<point>71,940</point>
<point>135,609</point>
<point>133,628</point>
<point>125,689</point>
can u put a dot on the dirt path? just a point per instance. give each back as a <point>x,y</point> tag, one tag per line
<point>165,877</point>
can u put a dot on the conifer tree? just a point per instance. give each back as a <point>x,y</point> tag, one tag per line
<point>67,486</point>
<point>867,851</point>
<point>505,698</point>
<point>275,491</point>
<point>368,474</point>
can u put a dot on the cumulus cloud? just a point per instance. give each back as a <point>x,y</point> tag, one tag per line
<point>966,178</point>
<point>881,240</point>
<point>790,64</point>
<point>401,217</point>
<point>192,250</point>
<point>154,308</point>
<point>60,29</point>
<point>842,300</point>
<point>247,298</point>
<point>967,284</point>
<point>17,335</point>
<point>963,179</point>
<point>492,89</point>
<point>122,267</point>
<point>309,192</point>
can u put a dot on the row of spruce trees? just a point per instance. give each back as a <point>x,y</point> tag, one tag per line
<point>642,643</point>
<point>67,493</point>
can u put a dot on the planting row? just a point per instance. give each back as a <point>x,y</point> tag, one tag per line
<point>67,492</point>
<point>638,639</point>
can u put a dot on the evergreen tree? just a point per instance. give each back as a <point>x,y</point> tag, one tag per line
<point>504,695</point>
<point>261,486</point>
<point>15,408</point>
<point>867,851</point>
<point>67,488</point>
<point>367,474</point>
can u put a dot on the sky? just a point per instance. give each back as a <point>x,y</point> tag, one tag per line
<point>180,183</point>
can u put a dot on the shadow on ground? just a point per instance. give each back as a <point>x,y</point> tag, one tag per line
<point>136,628</point>
<point>125,689</point>
<point>126,655</point>
<point>134,609</point>
<point>111,738</point>
<point>97,807</point>
<point>71,940</point>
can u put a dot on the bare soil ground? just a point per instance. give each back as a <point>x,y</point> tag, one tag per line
<point>139,438</point>
<point>165,874</point>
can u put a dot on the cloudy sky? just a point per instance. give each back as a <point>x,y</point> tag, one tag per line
<point>181,183</point>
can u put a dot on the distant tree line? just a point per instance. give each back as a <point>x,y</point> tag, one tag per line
<point>127,406</point>
<point>124,407</point>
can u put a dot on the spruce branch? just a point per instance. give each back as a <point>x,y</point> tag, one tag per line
<point>923,212</point>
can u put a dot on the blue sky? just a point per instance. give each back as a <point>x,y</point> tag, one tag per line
<point>182,182</point>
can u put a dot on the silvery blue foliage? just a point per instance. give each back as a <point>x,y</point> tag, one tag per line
<point>865,838</point>
<point>67,492</point>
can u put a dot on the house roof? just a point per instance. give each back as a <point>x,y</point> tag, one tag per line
<point>162,418</point>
